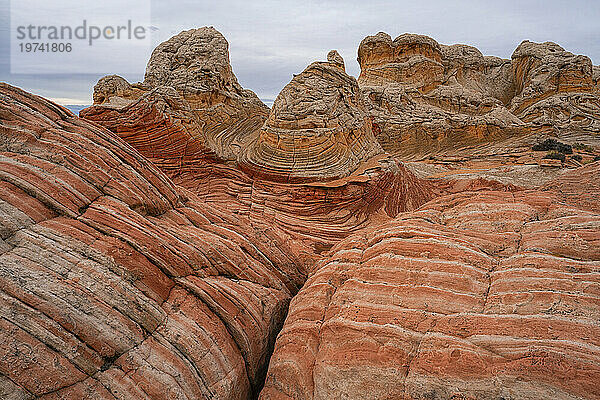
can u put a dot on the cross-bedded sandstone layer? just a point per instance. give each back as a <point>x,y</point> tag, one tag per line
<point>315,169</point>
<point>318,129</point>
<point>475,295</point>
<point>117,284</point>
<point>120,284</point>
<point>158,261</point>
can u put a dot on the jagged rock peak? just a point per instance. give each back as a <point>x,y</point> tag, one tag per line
<point>335,58</point>
<point>194,62</point>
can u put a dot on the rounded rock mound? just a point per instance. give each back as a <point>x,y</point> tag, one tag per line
<point>318,129</point>
<point>196,64</point>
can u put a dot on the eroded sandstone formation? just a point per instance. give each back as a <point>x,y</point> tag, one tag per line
<point>196,64</point>
<point>162,126</point>
<point>154,253</point>
<point>476,295</point>
<point>315,152</point>
<point>318,129</point>
<point>117,284</point>
<point>428,99</point>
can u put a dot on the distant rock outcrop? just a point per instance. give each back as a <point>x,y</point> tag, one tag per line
<point>431,99</point>
<point>554,89</point>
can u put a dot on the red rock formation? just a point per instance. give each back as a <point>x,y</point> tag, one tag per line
<point>159,260</point>
<point>475,295</point>
<point>579,187</point>
<point>317,137</point>
<point>162,127</point>
<point>115,283</point>
<point>196,64</point>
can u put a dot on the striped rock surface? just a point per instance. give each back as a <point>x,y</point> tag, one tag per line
<point>162,126</point>
<point>317,130</point>
<point>318,214</point>
<point>117,284</point>
<point>475,295</point>
<point>342,180</point>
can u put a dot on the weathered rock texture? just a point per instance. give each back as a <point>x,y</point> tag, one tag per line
<point>117,284</point>
<point>431,99</point>
<point>476,295</point>
<point>317,130</point>
<point>162,126</point>
<point>315,170</point>
<point>196,64</point>
<point>153,253</point>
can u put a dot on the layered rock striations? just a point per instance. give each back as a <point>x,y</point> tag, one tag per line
<point>431,99</point>
<point>318,129</point>
<point>475,295</point>
<point>152,249</point>
<point>163,127</point>
<point>314,169</point>
<point>316,165</point>
<point>195,63</point>
<point>117,284</point>
<point>554,89</point>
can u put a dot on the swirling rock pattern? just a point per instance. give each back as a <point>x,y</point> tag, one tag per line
<point>324,145</point>
<point>117,284</point>
<point>154,252</point>
<point>162,127</point>
<point>475,295</point>
<point>447,101</point>
<point>554,89</point>
<point>317,130</point>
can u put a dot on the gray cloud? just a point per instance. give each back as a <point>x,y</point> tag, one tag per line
<point>271,40</point>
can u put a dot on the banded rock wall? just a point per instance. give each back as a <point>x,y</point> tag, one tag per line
<point>475,295</point>
<point>117,284</point>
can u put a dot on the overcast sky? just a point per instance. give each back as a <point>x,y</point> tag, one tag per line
<point>271,40</point>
